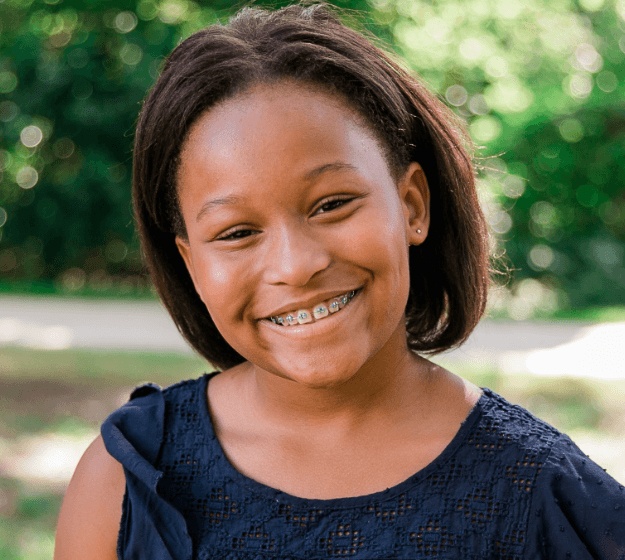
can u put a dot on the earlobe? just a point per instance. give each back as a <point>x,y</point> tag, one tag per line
<point>415,197</point>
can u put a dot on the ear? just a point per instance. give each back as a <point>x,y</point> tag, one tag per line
<point>414,194</point>
<point>185,252</point>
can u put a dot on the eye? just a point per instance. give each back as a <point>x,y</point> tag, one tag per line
<point>333,204</point>
<point>235,235</point>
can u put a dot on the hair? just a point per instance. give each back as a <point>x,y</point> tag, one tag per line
<point>308,43</point>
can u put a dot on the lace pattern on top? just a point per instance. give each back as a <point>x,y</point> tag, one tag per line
<point>494,492</point>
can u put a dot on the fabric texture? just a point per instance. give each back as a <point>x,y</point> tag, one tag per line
<point>508,487</point>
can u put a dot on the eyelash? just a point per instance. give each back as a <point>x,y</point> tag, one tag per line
<point>335,203</point>
<point>233,235</point>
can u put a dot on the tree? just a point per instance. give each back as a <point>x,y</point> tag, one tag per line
<point>541,85</point>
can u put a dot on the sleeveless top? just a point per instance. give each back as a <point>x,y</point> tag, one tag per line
<point>508,487</point>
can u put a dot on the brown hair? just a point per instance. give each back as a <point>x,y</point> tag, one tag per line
<point>449,271</point>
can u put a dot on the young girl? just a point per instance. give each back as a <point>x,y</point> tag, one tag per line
<point>309,217</point>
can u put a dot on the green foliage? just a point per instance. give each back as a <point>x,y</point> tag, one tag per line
<point>541,85</point>
<point>571,222</point>
<point>74,75</point>
<point>542,88</point>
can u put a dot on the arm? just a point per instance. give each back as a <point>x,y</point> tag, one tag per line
<point>91,512</point>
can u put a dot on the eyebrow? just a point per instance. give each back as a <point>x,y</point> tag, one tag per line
<point>234,199</point>
<point>335,166</point>
<point>216,203</point>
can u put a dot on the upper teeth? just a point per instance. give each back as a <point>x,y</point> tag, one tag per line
<point>319,311</point>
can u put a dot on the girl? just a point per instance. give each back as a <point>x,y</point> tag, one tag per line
<point>309,216</point>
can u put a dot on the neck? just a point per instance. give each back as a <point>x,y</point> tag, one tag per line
<point>389,382</point>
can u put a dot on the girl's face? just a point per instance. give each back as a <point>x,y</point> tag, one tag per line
<point>290,206</point>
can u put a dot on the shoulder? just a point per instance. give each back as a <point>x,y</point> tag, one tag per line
<point>151,424</point>
<point>578,505</point>
<point>90,515</point>
<point>576,510</point>
<point>137,426</point>
<point>118,461</point>
<point>503,448</point>
<point>509,427</point>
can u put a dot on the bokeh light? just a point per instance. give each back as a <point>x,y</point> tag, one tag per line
<point>27,177</point>
<point>538,84</point>
<point>31,136</point>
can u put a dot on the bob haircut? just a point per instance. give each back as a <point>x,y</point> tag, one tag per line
<point>308,43</point>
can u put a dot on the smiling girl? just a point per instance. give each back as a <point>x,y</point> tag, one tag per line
<point>309,217</point>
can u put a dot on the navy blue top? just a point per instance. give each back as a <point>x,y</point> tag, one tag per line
<point>508,486</point>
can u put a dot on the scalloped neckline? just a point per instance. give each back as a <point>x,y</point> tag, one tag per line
<point>275,495</point>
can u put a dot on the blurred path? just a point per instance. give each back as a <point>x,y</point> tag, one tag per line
<point>56,323</point>
<point>548,349</point>
<point>540,348</point>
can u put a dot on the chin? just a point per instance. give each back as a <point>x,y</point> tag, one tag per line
<point>316,373</point>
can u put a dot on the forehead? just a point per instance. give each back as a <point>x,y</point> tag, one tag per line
<point>273,124</point>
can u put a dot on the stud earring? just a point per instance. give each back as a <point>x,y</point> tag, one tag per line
<point>418,231</point>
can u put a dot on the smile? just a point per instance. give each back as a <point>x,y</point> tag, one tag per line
<point>317,313</point>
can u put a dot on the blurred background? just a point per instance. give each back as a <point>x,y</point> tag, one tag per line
<point>541,86</point>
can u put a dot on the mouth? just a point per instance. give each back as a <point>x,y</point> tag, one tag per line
<point>317,313</point>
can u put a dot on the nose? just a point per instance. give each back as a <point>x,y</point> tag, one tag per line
<point>294,256</point>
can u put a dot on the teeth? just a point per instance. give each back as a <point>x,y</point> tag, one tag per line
<point>304,316</point>
<point>321,310</point>
<point>334,306</point>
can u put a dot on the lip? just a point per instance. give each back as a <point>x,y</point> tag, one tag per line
<point>308,303</point>
<point>328,324</point>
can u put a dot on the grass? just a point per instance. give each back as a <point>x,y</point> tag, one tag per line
<point>64,396</point>
<point>602,314</point>
<point>28,518</point>
<point>591,314</point>
<point>97,366</point>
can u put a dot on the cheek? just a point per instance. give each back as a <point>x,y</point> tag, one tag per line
<point>384,252</point>
<point>220,285</point>
<point>378,236</point>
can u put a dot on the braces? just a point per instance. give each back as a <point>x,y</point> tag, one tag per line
<point>320,311</point>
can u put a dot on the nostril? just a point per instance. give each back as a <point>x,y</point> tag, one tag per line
<point>295,258</point>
